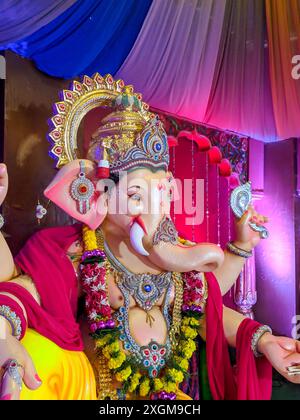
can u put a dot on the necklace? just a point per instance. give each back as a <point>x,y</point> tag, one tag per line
<point>160,380</point>
<point>146,289</point>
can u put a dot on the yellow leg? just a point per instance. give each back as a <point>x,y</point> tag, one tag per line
<point>66,375</point>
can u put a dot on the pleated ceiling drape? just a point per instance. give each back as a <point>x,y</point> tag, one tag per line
<point>173,59</point>
<point>283,23</point>
<point>19,19</point>
<point>92,35</point>
<point>206,60</point>
<point>226,63</point>
<point>240,98</point>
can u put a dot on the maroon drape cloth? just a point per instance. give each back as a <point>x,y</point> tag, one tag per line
<point>253,377</point>
<point>44,259</point>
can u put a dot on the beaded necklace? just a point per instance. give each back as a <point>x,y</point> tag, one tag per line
<point>153,371</point>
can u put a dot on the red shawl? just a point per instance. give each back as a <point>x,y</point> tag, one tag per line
<point>44,259</point>
<point>252,379</point>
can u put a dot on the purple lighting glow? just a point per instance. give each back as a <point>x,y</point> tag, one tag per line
<point>275,257</point>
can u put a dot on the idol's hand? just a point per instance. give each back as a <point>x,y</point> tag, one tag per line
<point>246,238</point>
<point>282,352</point>
<point>12,349</point>
<point>3,182</point>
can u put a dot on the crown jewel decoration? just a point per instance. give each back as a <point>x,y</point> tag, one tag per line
<point>129,137</point>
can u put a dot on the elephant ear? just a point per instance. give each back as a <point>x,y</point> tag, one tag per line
<point>59,191</point>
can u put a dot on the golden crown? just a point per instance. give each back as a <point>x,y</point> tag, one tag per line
<point>129,137</point>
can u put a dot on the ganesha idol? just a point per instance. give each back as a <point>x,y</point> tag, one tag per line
<point>117,305</point>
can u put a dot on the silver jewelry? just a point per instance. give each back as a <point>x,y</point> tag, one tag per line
<point>1,221</point>
<point>152,357</point>
<point>293,370</point>
<point>82,189</point>
<point>12,370</point>
<point>238,251</point>
<point>41,211</point>
<point>13,319</point>
<point>146,289</point>
<point>166,232</point>
<point>239,202</point>
<point>257,336</point>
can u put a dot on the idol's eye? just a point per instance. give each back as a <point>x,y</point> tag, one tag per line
<point>135,197</point>
<point>133,192</point>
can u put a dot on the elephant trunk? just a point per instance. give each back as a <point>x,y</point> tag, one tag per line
<point>177,257</point>
<point>203,257</point>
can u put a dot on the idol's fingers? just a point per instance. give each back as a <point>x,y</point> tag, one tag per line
<point>257,218</point>
<point>12,379</point>
<point>245,219</point>
<point>15,374</point>
<point>3,176</point>
<point>292,368</point>
<point>3,182</point>
<point>31,378</point>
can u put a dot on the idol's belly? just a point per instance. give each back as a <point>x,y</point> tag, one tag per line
<point>140,330</point>
<point>147,326</point>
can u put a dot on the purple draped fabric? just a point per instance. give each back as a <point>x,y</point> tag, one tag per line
<point>206,60</point>
<point>241,97</point>
<point>172,62</point>
<point>20,18</point>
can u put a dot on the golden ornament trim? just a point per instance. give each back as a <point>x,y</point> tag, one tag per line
<point>83,96</point>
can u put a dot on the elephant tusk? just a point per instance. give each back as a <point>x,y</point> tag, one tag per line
<point>136,238</point>
<point>140,221</point>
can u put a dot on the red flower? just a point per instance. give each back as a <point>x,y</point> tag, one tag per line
<point>93,299</point>
<point>194,295</point>
<point>105,310</point>
<point>191,283</point>
<point>186,295</point>
<point>199,284</point>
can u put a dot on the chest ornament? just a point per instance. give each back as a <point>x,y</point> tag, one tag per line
<point>146,289</point>
<point>154,371</point>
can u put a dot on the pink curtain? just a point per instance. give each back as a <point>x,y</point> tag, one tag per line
<point>216,222</point>
<point>188,163</point>
<point>206,60</point>
<point>172,62</point>
<point>283,22</point>
<point>240,97</point>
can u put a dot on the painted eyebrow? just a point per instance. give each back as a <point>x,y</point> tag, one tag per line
<point>134,186</point>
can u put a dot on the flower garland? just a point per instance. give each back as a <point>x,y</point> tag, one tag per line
<point>107,335</point>
<point>94,284</point>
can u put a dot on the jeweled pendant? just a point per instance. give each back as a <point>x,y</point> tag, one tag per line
<point>82,189</point>
<point>153,358</point>
<point>147,288</point>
